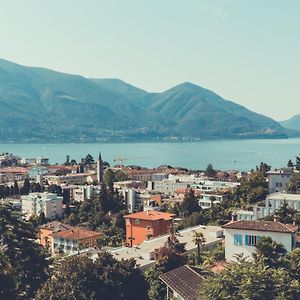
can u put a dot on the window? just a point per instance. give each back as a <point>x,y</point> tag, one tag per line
<point>238,240</point>
<point>137,221</point>
<point>251,240</point>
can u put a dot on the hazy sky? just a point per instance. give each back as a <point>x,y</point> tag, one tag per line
<point>248,51</point>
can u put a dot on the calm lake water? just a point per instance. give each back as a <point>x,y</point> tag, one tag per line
<point>226,155</point>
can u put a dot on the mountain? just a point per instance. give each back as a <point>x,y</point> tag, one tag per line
<point>292,123</point>
<point>38,104</point>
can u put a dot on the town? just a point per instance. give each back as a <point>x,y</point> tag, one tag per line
<point>161,233</point>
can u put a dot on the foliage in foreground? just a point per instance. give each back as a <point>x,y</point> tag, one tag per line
<point>270,275</point>
<point>81,278</point>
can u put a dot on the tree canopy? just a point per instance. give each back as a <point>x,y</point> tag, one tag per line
<point>81,278</point>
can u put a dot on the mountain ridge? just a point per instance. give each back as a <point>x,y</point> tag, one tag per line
<point>40,104</point>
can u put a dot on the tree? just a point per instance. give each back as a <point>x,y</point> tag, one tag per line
<point>210,172</point>
<point>67,163</point>
<point>105,278</point>
<point>290,164</point>
<point>294,184</point>
<point>25,190</point>
<point>120,175</point>
<point>16,188</point>
<point>269,251</point>
<point>21,254</point>
<point>42,219</point>
<point>189,204</point>
<point>157,289</point>
<point>109,178</point>
<point>252,189</point>
<point>88,160</point>
<point>66,196</point>
<point>199,241</point>
<point>250,280</point>
<point>264,168</point>
<point>297,165</point>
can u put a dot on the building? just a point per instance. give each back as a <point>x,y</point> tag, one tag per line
<point>242,236</point>
<point>76,178</point>
<point>143,225</point>
<point>279,179</point>
<point>144,254</point>
<point>72,240</point>
<point>272,203</point>
<point>276,200</point>
<point>100,169</point>
<point>83,192</point>
<point>45,231</point>
<point>207,200</point>
<point>183,283</point>
<point>48,203</point>
<point>40,160</point>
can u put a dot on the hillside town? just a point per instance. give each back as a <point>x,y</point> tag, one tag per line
<point>180,229</point>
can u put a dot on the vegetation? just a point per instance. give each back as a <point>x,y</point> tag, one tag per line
<point>167,258</point>
<point>252,189</point>
<point>23,265</point>
<point>294,185</point>
<point>271,275</point>
<point>81,278</point>
<point>101,110</point>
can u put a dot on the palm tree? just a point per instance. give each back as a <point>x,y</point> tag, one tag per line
<point>199,240</point>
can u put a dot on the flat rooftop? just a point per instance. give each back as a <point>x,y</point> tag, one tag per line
<point>142,252</point>
<point>284,196</point>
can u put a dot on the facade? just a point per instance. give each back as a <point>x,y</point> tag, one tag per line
<point>206,200</point>
<point>77,178</point>
<point>40,160</point>
<point>45,231</point>
<point>143,225</point>
<point>279,179</point>
<point>167,186</point>
<point>74,239</point>
<point>83,192</point>
<point>48,203</point>
<point>275,201</point>
<point>242,236</point>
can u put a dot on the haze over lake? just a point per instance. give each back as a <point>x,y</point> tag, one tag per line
<point>226,155</point>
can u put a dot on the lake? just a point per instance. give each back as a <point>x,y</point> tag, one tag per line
<point>240,155</point>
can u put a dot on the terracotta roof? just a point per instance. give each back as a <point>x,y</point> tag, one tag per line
<point>14,170</point>
<point>76,234</point>
<point>185,281</point>
<point>218,266</point>
<point>151,215</point>
<point>262,226</point>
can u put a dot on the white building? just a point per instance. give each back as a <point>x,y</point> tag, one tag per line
<point>242,236</point>
<point>206,200</point>
<point>276,200</point>
<point>35,203</point>
<point>279,179</point>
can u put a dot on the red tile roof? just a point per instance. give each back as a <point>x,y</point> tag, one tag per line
<point>76,234</point>
<point>262,226</point>
<point>151,215</point>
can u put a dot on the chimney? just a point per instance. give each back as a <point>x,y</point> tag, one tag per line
<point>234,217</point>
<point>148,213</point>
<point>275,219</point>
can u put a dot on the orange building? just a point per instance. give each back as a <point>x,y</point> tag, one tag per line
<point>47,229</point>
<point>74,239</point>
<point>141,226</point>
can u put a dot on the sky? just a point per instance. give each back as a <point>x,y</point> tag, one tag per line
<point>245,50</point>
